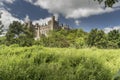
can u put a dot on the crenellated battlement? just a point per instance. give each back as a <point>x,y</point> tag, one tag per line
<point>46,28</point>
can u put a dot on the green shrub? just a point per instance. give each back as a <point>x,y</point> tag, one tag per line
<point>40,63</point>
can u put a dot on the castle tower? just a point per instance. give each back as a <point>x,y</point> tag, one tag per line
<point>53,23</point>
<point>53,18</point>
<point>37,31</point>
<point>28,22</point>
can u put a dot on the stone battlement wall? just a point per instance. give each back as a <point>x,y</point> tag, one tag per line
<point>44,29</point>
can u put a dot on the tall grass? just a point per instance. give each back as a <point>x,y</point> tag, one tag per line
<point>40,63</point>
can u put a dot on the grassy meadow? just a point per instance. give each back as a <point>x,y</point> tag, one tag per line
<point>41,63</point>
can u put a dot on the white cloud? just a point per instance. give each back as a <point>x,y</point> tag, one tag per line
<point>72,8</point>
<point>7,18</point>
<point>56,17</point>
<point>78,13</point>
<point>77,22</point>
<point>7,1</point>
<point>108,29</point>
<point>1,4</point>
<point>27,19</point>
<point>117,4</point>
<point>42,21</point>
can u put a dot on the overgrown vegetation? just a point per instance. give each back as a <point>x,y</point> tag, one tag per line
<point>77,38</point>
<point>63,38</point>
<point>39,63</point>
<point>59,59</point>
<point>19,34</point>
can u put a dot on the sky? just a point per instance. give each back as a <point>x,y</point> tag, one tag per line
<point>84,14</point>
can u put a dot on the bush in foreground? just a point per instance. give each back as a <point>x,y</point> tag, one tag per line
<point>39,63</point>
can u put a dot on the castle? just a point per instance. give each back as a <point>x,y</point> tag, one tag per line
<point>40,30</point>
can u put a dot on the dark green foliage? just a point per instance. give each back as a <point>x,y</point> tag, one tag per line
<point>97,38</point>
<point>113,35</point>
<point>114,39</point>
<point>13,33</point>
<point>77,38</point>
<point>2,40</point>
<point>64,38</point>
<point>19,34</point>
<point>92,37</point>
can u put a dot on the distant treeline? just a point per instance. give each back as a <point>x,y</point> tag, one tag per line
<point>23,36</point>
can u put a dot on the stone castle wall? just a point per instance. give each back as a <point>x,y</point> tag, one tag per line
<point>45,29</point>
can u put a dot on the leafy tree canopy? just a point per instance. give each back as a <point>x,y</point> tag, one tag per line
<point>19,34</point>
<point>97,38</point>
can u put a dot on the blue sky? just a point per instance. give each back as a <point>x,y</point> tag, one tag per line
<point>76,13</point>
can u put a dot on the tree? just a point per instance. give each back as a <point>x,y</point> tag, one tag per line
<point>114,39</point>
<point>113,35</point>
<point>97,38</point>
<point>108,3</point>
<point>101,39</point>
<point>19,34</point>
<point>15,29</point>
<point>91,38</point>
<point>55,39</point>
